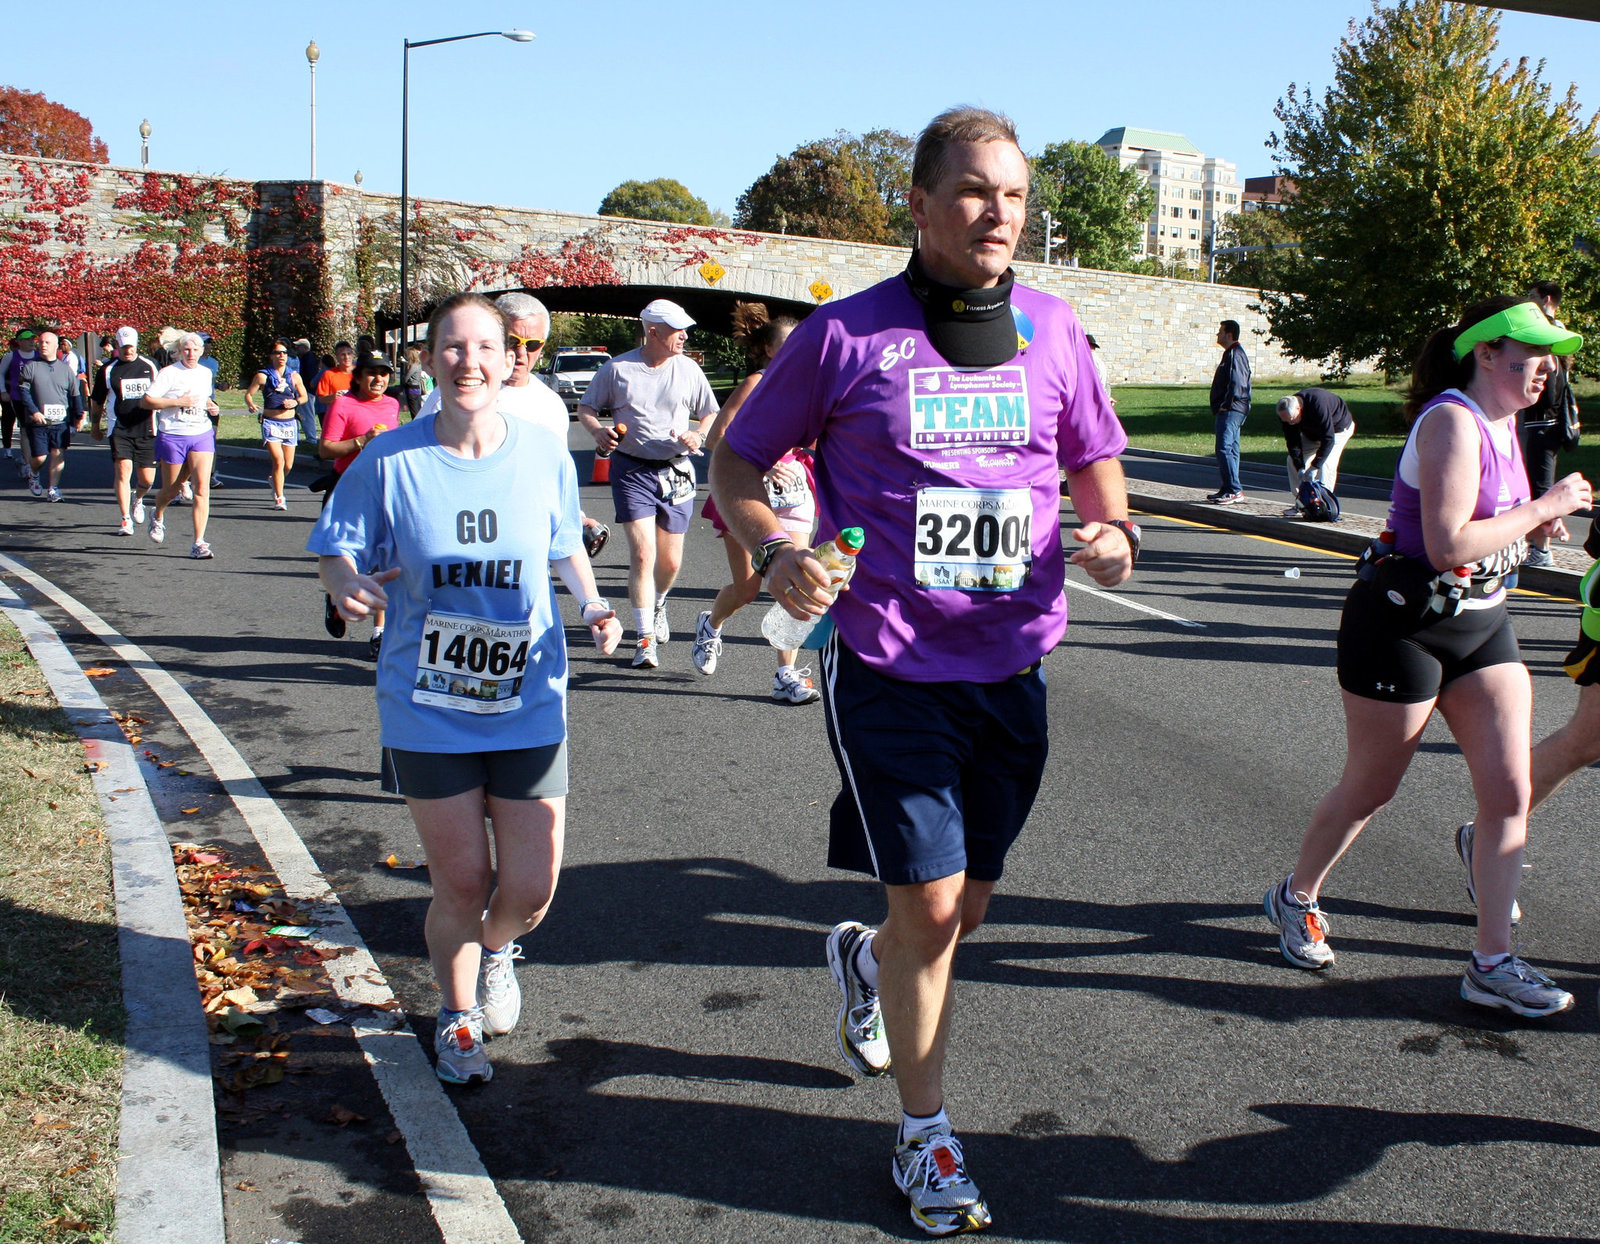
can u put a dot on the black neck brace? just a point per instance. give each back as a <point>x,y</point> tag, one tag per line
<point>969,327</point>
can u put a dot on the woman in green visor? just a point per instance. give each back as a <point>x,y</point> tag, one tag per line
<point>1425,625</point>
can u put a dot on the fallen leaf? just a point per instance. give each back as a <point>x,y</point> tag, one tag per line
<point>394,1137</point>
<point>394,861</point>
<point>99,671</point>
<point>341,1116</point>
<point>29,772</point>
<point>30,693</point>
<point>244,1185</point>
<point>93,766</point>
<point>190,811</point>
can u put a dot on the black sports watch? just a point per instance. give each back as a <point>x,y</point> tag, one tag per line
<point>1131,530</point>
<point>766,551</point>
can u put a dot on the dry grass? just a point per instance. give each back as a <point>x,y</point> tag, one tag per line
<point>60,995</point>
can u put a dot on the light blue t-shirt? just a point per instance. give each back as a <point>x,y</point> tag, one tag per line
<point>474,658</point>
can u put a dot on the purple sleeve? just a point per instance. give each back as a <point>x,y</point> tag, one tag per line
<point>790,406</point>
<point>1089,430</point>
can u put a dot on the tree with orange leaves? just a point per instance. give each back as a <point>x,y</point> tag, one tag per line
<point>31,125</point>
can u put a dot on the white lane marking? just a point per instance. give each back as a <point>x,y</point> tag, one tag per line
<point>465,1203</point>
<point>169,1177</point>
<point>1134,605</point>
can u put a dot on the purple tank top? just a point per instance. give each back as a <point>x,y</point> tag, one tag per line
<point>1502,485</point>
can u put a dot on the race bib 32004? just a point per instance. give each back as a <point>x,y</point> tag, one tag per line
<point>973,539</point>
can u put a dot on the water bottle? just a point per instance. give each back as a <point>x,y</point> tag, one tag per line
<point>838,558</point>
<point>622,430</point>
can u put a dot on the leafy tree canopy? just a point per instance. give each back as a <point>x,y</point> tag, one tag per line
<point>887,157</point>
<point>1428,177</point>
<point>31,125</point>
<point>1274,267</point>
<point>822,189</point>
<point>661,199</point>
<point>1099,207</point>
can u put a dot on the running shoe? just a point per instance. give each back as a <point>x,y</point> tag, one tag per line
<point>158,529</point>
<point>35,487</point>
<point>458,1044</point>
<point>185,494</point>
<point>374,645</point>
<point>52,493</point>
<point>278,503</point>
<point>10,454</point>
<point>138,512</point>
<point>1538,557</point>
<point>200,551</point>
<point>707,645</point>
<point>860,1027</point>
<point>1513,985</point>
<point>125,527</point>
<point>929,1169</point>
<point>1464,850</point>
<point>1226,498</point>
<point>332,622</point>
<point>663,628</point>
<point>644,653</point>
<point>594,539</point>
<point>792,686</point>
<point>499,995</point>
<point>24,471</point>
<point>216,481</point>
<point>1302,929</point>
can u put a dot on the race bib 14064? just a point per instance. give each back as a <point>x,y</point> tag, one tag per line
<point>973,539</point>
<point>470,664</point>
<point>950,407</point>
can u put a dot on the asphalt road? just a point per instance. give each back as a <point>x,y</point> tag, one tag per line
<point>1132,1058</point>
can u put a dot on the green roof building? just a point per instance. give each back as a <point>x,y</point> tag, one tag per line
<point>1193,191</point>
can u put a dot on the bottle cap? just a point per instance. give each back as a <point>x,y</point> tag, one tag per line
<point>851,539</point>
<point>622,429</point>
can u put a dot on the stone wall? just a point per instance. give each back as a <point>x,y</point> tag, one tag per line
<point>1151,329</point>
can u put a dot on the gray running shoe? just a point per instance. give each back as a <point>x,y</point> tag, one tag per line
<point>662,629</point>
<point>459,1047</point>
<point>794,686</point>
<point>1464,850</point>
<point>928,1169</point>
<point>860,1027</point>
<point>644,653</point>
<point>1513,985</point>
<point>499,995</point>
<point>201,551</point>
<point>1302,929</point>
<point>707,645</point>
<point>1538,557</point>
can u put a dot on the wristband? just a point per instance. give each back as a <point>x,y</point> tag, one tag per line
<point>776,535</point>
<point>601,601</point>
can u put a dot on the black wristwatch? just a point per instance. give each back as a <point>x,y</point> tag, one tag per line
<point>766,551</point>
<point>1131,530</point>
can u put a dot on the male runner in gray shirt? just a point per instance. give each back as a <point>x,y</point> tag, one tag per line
<point>54,410</point>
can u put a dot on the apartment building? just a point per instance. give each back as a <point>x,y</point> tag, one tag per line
<point>1192,190</point>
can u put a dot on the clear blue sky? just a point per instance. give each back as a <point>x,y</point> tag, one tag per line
<point>704,91</point>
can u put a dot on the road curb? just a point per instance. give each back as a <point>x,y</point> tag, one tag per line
<point>169,1181</point>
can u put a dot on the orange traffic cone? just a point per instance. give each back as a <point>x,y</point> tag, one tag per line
<point>602,469</point>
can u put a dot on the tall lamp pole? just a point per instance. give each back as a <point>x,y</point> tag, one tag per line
<point>313,54</point>
<point>144,144</point>
<point>516,36</point>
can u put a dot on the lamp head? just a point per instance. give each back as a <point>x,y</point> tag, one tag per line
<point>518,36</point>
<point>144,129</point>
<point>359,178</point>
<point>313,53</point>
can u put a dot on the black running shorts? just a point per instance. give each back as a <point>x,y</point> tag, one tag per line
<point>516,773</point>
<point>135,443</point>
<point>1387,652</point>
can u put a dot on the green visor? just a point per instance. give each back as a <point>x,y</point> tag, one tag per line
<point>1524,322</point>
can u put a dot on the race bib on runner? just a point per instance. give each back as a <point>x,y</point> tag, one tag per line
<point>471,664</point>
<point>973,539</point>
<point>676,481</point>
<point>791,497</point>
<point>53,413</point>
<point>134,388</point>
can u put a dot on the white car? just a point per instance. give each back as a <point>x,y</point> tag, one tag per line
<point>570,372</point>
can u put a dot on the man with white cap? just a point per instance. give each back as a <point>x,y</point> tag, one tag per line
<point>120,385</point>
<point>652,392</point>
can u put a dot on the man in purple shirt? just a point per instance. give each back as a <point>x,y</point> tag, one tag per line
<point>942,403</point>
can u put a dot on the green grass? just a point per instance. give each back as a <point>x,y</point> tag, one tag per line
<point>61,1013</point>
<point>1177,418</point>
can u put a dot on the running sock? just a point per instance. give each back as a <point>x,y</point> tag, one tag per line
<point>914,1124</point>
<point>785,669</point>
<point>867,963</point>
<point>377,632</point>
<point>644,622</point>
<point>1485,962</point>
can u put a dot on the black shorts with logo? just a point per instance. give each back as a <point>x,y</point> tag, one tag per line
<point>1396,654</point>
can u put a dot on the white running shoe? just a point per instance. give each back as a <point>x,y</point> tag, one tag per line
<point>278,503</point>
<point>662,628</point>
<point>644,653</point>
<point>138,512</point>
<point>459,1049</point>
<point>707,645</point>
<point>792,686</point>
<point>52,493</point>
<point>929,1169</point>
<point>1513,985</point>
<point>158,529</point>
<point>34,486</point>
<point>201,551</point>
<point>185,494</point>
<point>125,527</point>
<point>1302,928</point>
<point>499,995</point>
<point>862,1041</point>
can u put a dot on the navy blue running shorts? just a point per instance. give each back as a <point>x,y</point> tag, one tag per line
<point>516,773</point>
<point>639,489</point>
<point>938,777</point>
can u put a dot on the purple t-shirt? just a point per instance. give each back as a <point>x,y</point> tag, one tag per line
<point>950,471</point>
<point>1502,486</point>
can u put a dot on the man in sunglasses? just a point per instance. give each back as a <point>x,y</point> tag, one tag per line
<point>522,397</point>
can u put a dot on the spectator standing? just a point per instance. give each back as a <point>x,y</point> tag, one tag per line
<point>1317,425</point>
<point>1230,405</point>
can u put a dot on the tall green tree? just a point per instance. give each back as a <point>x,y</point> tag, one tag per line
<point>820,190</point>
<point>887,155</point>
<point>1429,176</point>
<point>1099,207</point>
<point>661,199</point>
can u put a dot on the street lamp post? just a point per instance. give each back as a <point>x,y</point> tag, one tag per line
<point>313,54</point>
<point>144,144</point>
<point>1050,239</point>
<point>516,36</point>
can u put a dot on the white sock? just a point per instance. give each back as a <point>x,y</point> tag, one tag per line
<point>867,962</point>
<point>785,669</point>
<point>914,1124</point>
<point>1485,962</point>
<point>712,630</point>
<point>644,621</point>
<point>376,631</point>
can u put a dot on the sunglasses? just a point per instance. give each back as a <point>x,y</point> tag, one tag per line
<point>530,344</point>
<point>277,352</point>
